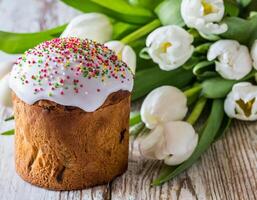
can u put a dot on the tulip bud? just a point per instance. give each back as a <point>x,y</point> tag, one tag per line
<point>170,46</point>
<point>173,142</point>
<point>124,53</point>
<point>204,15</point>
<point>163,104</point>
<point>5,57</point>
<point>180,142</point>
<point>5,68</point>
<point>148,144</point>
<point>241,102</point>
<point>234,61</point>
<point>254,54</point>
<point>94,26</point>
<point>5,92</point>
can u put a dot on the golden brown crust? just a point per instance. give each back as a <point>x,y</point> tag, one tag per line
<point>64,148</point>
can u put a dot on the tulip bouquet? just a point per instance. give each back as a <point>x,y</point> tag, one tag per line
<point>192,58</point>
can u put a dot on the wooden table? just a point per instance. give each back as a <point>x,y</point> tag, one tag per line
<point>227,171</point>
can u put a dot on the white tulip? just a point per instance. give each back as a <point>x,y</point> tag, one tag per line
<point>163,104</point>
<point>204,15</point>
<point>94,26</point>
<point>124,53</point>
<point>170,46</point>
<point>234,61</point>
<point>254,54</point>
<point>5,92</point>
<point>149,143</point>
<point>5,57</point>
<point>173,142</point>
<point>241,102</point>
<point>5,68</point>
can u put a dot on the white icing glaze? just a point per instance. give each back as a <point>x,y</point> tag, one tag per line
<point>70,72</point>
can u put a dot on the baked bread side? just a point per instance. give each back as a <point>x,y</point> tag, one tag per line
<point>66,148</point>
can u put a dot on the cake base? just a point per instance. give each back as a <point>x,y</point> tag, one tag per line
<point>62,148</point>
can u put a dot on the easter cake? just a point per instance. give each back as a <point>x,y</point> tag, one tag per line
<point>71,102</point>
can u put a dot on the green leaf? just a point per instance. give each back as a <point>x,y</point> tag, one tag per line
<point>118,9</point>
<point>231,8</point>
<point>194,60</point>
<point>209,37</point>
<point>242,30</point>
<point>219,88</point>
<point>207,137</point>
<point>202,66</point>
<point>169,12</point>
<point>139,33</point>
<point>252,7</point>
<point>10,132</point>
<point>207,75</point>
<point>204,70</point>
<point>244,3</point>
<point>150,4</point>
<point>202,48</point>
<point>149,79</point>
<point>121,29</point>
<point>144,54</point>
<point>226,122</point>
<point>253,37</point>
<point>16,43</point>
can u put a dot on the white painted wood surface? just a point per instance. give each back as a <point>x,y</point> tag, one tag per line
<point>227,171</point>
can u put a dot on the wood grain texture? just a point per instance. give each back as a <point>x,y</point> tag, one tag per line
<point>228,170</point>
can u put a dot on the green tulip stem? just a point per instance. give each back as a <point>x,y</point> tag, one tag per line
<point>141,32</point>
<point>197,110</point>
<point>192,91</point>
<point>135,119</point>
<point>137,129</point>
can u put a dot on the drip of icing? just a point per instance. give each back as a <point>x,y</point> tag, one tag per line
<point>70,72</point>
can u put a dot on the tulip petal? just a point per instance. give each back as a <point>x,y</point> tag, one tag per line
<point>148,143</point>
<point>170,46</point>
<point>94,26</point>
<point>234,61</point>
<point>241,102</point>
<point>204,15</point>
<point>163,104</point>
<point>129,57</point>
<point>124,52</point>
<point>5,92</point>
<point>181,141</point>
<point>173,142</point>
<point>254,54</point>
<point>5,68</point>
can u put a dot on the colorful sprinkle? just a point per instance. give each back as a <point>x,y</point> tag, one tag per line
<point>62,63</point>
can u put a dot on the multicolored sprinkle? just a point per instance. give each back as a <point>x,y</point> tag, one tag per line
<point>70,71</point>
<point>93,61</point>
